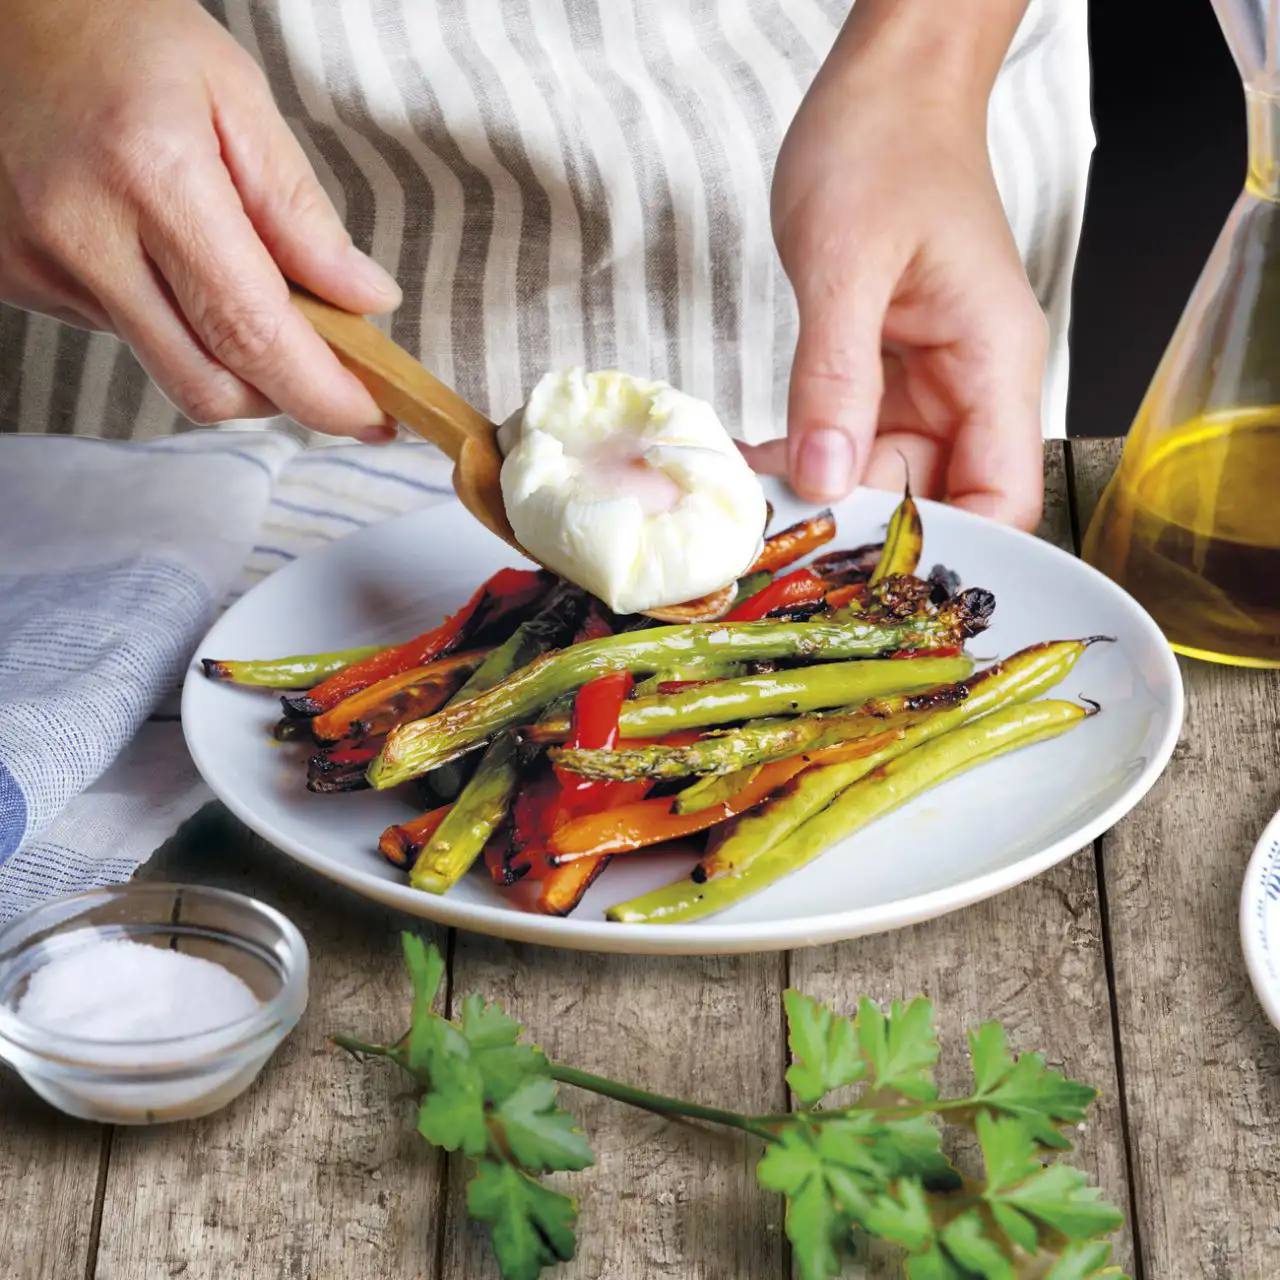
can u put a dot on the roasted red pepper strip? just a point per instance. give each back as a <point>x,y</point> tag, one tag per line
<point>801,587</point>
<point>595,725</point>
<point>421,649</point>
<point>789,545</point>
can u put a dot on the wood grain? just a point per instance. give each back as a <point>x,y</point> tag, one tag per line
<point>49,1167</point>
<point>1032,957</point>
<point>317,1170</point>
<point>1201,1064</point>
<point>662,1199</point>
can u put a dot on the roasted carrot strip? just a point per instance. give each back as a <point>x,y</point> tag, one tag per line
<point>402,842</point>
<point>413,653</point>
<point>841,596</point>
<point>789,545</point>
<point>407,695</point>
<point>650,822</point>
<point>563,887</point>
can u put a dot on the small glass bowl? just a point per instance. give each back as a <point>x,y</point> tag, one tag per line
<point>152,1081</point>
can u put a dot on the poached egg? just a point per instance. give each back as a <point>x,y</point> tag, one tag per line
<point>629,488</point>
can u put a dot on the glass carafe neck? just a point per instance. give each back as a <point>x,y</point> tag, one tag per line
<point>1262,102</point>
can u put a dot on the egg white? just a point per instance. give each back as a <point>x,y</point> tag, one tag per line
<point>571,515</point>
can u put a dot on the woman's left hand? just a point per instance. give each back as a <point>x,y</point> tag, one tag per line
<point>920,338</point>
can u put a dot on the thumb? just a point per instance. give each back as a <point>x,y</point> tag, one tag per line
<point>837,380</point>
<point>291,211</point>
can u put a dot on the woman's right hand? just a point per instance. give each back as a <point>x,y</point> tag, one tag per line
<point>150,188</point>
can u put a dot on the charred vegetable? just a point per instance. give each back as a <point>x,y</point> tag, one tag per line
<point>706,704</point>
<point>375,711</point>
<point>414,748</point>
<point>861,804</point>
<point>299,672</point>
<point>903,543</point>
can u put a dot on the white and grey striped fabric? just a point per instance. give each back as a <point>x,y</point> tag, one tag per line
<point>113,560</point>
<point>558,182</point>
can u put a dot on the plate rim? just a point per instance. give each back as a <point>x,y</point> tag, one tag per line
<point>707,938</point>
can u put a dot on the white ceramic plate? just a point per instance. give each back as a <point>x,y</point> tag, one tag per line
<point>1260,920</point>
<point>972,837</point>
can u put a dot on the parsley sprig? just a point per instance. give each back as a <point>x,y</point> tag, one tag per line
<point>874,1167</point>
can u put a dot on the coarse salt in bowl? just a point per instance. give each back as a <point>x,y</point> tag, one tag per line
<point>144,1003</point>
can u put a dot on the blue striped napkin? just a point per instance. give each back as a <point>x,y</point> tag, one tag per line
<point>114,560</point>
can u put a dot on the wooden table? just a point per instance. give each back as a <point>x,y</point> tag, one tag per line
<point>1123,963</point>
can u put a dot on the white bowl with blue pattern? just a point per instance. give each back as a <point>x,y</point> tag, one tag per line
<point>1260,920</point>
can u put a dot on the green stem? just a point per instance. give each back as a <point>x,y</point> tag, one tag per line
<point>352,1045</point>
<point>659,1104</point>
<point>896,1112</point>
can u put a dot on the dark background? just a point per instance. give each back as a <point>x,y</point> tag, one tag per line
<point>1169,162</point>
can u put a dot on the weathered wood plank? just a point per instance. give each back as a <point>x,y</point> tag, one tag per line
<point>316,1171</point>
<point>1033,958</point>
<point>661,1200</point>
<point>48,1179</point>
<point>1201,1065</point>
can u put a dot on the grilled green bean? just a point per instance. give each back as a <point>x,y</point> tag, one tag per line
<point>804,689</point>
<point>552,625</point>
<point>648,687</point>
<point>879,793</point>
<point>413,749</point>
<point>1019,678</point>
<point>460,839</point>
<point>300,672</point>
<point>713,789</point>
<point>903,542</point>
<point>756,742</point>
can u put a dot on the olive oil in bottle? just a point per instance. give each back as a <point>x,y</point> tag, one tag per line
<point>1193,533</point>
<point>1190,523</point>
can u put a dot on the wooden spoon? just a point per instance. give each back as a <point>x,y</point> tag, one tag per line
<point>401,387</point>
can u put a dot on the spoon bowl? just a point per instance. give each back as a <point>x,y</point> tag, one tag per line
<point>403,388</point>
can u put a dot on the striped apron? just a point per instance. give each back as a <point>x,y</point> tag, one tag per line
<point>561,182</point>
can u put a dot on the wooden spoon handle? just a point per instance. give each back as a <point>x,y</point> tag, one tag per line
<point>397,382</point>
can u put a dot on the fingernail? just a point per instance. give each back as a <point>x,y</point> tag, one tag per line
<point>824,464</point>
<point>383,433</point>
<point>376,278</point>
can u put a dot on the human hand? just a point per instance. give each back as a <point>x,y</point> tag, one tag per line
<point>150,188</point>
<point>920,338</point>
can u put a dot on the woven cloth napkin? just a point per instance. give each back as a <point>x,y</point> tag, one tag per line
<point>114,560</point>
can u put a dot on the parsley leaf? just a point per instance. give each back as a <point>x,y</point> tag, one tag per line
<point>935,1264</point>
<point>493,1036</point>
<point>900,1049</point>
<point>965,1239</point>
<point>1083,1260</point>
<point>426,969</point>
<point>875,1164</point>
<point>915,1143</point>
<point>901,1216</point>
<point>451,1113</point>
<point>531,1225</point>
<point>793,1166</point>
<point>824,1047</point>
<point>539,1134</point>
<point>1026,1195</point>
<point>1042,1099</point>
